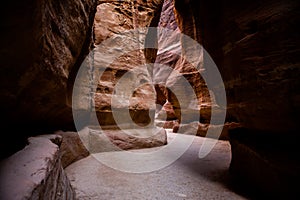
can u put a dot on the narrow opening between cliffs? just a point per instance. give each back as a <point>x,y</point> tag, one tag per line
<point>137,110</point>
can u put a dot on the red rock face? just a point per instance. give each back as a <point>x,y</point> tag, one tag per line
<point>116,18</point>
<point>255,47</point>
<point>42,43</point>
<point>175,55</point>
<point>124,96</point>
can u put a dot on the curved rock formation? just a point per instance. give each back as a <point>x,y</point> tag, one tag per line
<point>255,50</point>
<point>255,46</point>
<point>42,42</point>
<point>178,66</point>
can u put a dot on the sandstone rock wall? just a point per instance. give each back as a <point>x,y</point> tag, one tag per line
<point>114,87</point>
<point>124,74</point>
<point>36,172</point>
<point>255,47</point>
<point>42,44</point>
<point>178,59</point>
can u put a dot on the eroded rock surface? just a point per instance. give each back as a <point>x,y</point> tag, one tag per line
<point>42,44</point>
<point>96,140</point>
<point>200,129</point>
<point>255,46</point>
<point>121,94</point>
<point>124,75</point>
<point>180,87</point>
<point>71,148</point>
<point>255,50</point>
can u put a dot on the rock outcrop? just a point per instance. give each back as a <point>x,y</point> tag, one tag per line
<point>199,129</point>
<point>96,140</point>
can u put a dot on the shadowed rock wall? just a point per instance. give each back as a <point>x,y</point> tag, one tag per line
<point>255,45</point>
<point>42,44</point>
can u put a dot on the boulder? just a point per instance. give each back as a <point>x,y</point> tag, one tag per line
<point>105,140</point>
<point>72,149</point>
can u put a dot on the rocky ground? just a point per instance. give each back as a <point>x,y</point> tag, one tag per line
<point>187,178</point>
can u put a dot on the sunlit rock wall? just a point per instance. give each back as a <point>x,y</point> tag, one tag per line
<point>125,80</point>
<point>177,68</point>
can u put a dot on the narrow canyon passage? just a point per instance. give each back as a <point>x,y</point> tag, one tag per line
<point>98,106</point>
<point>187,178</point>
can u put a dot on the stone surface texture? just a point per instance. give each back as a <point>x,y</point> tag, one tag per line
<point>124,75</point>
<point>255,45</point>
<point>256,52</point>
<point>174,56</point>
<point>42,45</point>
<point>269,167</point>
<point>35,172</point>
<point>199,129</point>
<point>256,48</point>
<point>71,148</point>
<point>119,90</point>
<point>96,140</point>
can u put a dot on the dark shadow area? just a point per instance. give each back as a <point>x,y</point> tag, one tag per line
<point>265,165</point>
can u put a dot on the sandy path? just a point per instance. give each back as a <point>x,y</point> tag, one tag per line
<point>187,178</point>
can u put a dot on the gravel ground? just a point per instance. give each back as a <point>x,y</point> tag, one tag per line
<point>187,178</point>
